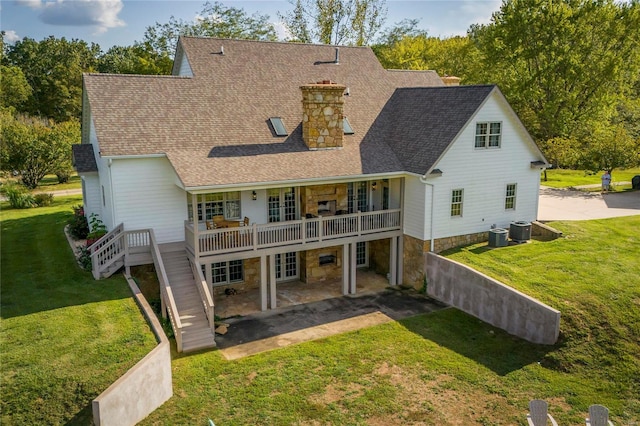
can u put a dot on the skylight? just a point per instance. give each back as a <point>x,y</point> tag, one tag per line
<point>346,126</point>
<point>278,126</point>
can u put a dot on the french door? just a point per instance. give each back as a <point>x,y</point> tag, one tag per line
<point>358,200</point>
<point>282,206</point>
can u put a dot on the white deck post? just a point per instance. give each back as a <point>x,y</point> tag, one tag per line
<point>263,283</point>
<point>400,272</point>
<point>196,230</point>
<point>345,269</point>
<point>272,281</point>
<point>352,268</point>
<point>393,261</point>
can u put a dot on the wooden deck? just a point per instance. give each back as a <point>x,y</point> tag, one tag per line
<point>196,333</point>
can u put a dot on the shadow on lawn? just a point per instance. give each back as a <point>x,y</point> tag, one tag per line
<point>474,339</point>
<point>39,271</point>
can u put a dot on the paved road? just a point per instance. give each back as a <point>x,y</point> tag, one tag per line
<point>565,204</point>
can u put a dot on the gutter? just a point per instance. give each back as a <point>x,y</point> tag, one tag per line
<point>433,190</point>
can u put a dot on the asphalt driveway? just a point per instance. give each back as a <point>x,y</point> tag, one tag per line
<point>566,204</point>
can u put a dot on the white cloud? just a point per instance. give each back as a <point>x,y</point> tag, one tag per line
<point>282,32</point>
<point>10,37</point>
<point>101,14</point>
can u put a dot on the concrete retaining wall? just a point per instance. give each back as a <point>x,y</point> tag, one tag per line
<point>539,229</point>
<point>142,389</point>
<point>491,301</point>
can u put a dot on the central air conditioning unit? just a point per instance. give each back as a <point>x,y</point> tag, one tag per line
<point>520,232</point>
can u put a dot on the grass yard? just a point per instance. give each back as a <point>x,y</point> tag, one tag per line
<point>64,337</point>
<point>448,368</point>
<point>561,178</point>
<point>50,183</point>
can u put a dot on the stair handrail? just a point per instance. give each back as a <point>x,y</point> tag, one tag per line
<point>166,292</point>
<point>203,289</point>
<point>107,250</point>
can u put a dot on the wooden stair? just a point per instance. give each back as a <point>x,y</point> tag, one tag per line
<point>196,334</point>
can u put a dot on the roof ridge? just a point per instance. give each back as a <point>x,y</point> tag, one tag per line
<point>286,43</point>
<point>416,71</point>
<point>107,74</point>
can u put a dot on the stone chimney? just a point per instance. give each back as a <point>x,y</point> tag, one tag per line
<point>450,80</point>
<point>322,109</point>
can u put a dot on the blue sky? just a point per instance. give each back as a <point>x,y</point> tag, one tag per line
<point>121,22</point>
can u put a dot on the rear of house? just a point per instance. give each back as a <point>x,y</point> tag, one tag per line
<point>307,164</point>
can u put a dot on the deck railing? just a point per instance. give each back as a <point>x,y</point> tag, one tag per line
<point>203,289</point>
<point>168,301</point>
<point>107,251</point>
<point>256,237</point>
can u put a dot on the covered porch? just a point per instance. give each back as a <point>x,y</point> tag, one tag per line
<point>246,302</point>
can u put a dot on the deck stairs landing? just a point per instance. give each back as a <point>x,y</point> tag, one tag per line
<point>196,333</point>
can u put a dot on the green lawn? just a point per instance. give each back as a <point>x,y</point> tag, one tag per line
<point>50,183</point>
<point>64,337</point>
<point>448,368</point>
<point>561,178</point>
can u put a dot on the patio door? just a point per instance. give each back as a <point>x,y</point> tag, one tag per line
<point>358,199</point>
<point>282,207</point>
<point>287,266</point>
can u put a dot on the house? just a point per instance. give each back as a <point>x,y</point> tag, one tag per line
<point>265,161</point>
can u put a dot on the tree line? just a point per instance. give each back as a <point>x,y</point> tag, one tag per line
<point>569,68</point>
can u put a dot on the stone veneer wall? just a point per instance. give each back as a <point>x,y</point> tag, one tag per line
<point>379,253</point>
<point>311,195</point>
<point>414,249</point>
<point>313,272</point>
<point>322,106</point>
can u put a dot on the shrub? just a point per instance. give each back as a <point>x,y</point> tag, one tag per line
<point>78,225</point>
<point>19,197</point>
<point>98,228</point>
<point>43,199</point>
<point>84,258</point>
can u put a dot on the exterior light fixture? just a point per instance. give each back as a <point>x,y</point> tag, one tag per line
<point>374,186</point>
<point>254,196</point>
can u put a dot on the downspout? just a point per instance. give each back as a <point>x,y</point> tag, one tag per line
<point>111,195</point>
<point>433,188</point>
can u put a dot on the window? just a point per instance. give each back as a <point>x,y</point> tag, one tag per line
<point>510,197</point>
<point>346,126</point>
<point>456,202</point>
<point>488,135</point>
<point>227,272</point>
<point>220,204</point>
<point>278,126</point>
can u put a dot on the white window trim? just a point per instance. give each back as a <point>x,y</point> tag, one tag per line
<point>507,196</point>
<point>461,203</point>
<point>487,136</point>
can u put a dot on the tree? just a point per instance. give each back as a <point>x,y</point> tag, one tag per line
<point>53,69</point>
<point>214,20</point>
<point>611,148</point>
<point>36,147</point>
<point>562,64</point>
<point>339,22</point>
<point>136,59</point>
<point>14,88</point>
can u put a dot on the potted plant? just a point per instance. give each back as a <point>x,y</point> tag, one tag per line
<point>98,229</point>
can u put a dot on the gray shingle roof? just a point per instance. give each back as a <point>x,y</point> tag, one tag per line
<point>213,127</point>
<point>83,159</point>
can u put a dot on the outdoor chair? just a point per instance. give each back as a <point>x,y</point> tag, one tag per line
<point>210,224</point>
<point>538,414</point>
<point>598,416</point>
<point>246,221</point>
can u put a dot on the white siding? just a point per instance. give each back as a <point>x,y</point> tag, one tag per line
<point>145,196</point>
<point>417,207</point>
<point>103,190</point>
<point>483,175</point>
<point>185,68</point>
<point>91,195</point>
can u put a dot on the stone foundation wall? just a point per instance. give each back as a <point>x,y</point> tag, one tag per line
<point>413,261</point>
<point>442,244</point>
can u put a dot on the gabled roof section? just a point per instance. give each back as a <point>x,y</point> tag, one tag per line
<point>211,125</point>
<point>420,123</point>
<point>84,160</point>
